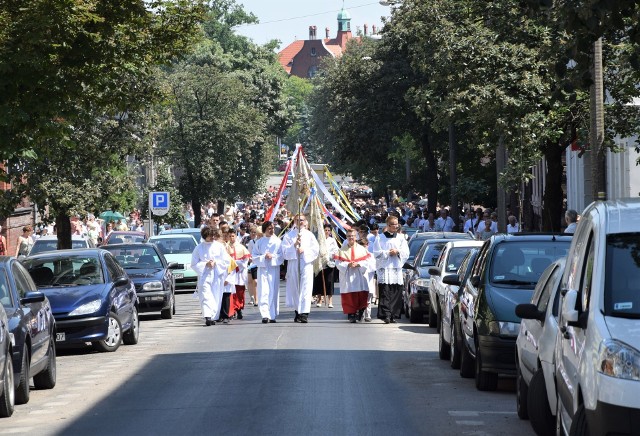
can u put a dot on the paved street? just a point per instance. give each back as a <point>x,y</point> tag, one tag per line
<point>324,378</point>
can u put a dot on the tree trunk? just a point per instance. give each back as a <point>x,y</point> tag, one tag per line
<point>220,209</point>
<point>432,183</point>
<point>453,178</point>
<point>63,230</point>
<point>553,196</point>
<point>197,216</point>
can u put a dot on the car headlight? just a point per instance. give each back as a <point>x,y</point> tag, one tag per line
<point>90,307</point>
<point>619,360</point>
<point>153,286</point>
<point>421,283</point>
<point>504,328</point>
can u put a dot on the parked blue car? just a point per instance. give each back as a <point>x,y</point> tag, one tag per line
<point>7,389</point>
<point>32,327</point>
<point>92,297</point>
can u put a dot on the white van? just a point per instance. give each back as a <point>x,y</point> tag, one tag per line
<point>598,343</point>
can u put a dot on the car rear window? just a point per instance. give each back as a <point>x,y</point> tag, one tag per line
<point>68,271</point>
<point>431,254</point>
<point>41,246</point>
<point>456,255</point>
<point>175,246</point>
<point>522,262</point>
<point>622,276</point>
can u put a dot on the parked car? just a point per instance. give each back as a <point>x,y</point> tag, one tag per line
<point>598,345</point>
<point>504,275</point>
<point>92,297</point>
<point>50,243</point>
<point>151,275</point>
<point>451,323</point>
<point>535,346</point>
<point>7,388</point>
<point>178,248</point>
<point>416,290</point>
<point>125,237</point>
<point>32,327</point>
<point>448,263</point>
<point>186,231</point>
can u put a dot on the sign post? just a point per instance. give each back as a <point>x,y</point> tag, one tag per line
<point>158,205</point>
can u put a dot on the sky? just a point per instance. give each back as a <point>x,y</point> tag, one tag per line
<point>288,20</point>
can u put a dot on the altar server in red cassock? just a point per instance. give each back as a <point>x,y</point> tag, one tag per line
<point>353,263</point>
<point>241,255</point>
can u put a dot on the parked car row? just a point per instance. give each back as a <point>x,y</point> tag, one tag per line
<point>558,313</point>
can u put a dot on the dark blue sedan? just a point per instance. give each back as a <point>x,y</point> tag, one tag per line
<point>92,297</point>
<point>7,389</point>
<point>151,274</point>
<point>33,328</point>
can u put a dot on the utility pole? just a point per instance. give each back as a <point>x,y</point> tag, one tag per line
<point>598,152</point>
<point>502,201</point>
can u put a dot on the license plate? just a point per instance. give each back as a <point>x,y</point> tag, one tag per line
<point>178,275</point>
<point>60,337</point>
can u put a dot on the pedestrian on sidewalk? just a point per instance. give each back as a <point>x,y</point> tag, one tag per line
<point>211,262</point>
<point>267,255</point>
<point>300,248</point>
<point>352,262</point>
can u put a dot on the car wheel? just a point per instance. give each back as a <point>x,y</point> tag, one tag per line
<point>407,311</point>
<point>46,379</point>
<point>168,312</point>
<point>433,318</point>
<point>174,304</point>
<point>133,334</point>
<point>542,420</point>
<point>8,397</point>
<point>22,391</point>
<point>443,346</point>
<point>579,423</point>
<point>415,316</point>
<point>438,318</point>
<point>521,394</point>
<point>485,381</point>
<point>114,336</point>
<point>454,353</point>
<point>467,364</point>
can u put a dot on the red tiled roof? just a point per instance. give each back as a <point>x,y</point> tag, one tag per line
<point>288,53</point>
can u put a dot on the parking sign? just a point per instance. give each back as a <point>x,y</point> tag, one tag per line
<point>159,203</point>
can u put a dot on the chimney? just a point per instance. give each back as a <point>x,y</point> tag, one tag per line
<point>326,32</point>
<point>373,29</point>
<point>312,32</point>
<point>366,28</point>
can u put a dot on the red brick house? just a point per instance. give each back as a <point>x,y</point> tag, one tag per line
<point>302,58</point>
<point>12,225</point>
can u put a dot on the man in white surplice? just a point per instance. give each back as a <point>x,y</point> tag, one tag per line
<point>210,261</point>
<point>267,256</point>
<point>300,248</point>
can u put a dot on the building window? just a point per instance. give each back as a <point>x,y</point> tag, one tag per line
<point>312,71</point>
<point>313,51</point>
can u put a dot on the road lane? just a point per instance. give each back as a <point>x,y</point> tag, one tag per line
<point>327,377</point>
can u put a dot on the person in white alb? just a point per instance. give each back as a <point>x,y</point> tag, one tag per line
<point>513,226</point>
<point>391,253</point>
<point>267,256</point>
<point>445,223</point>
<point>211,262</point>
<point>300,248</point>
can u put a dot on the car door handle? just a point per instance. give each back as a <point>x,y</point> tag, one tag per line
<point>565,332</point>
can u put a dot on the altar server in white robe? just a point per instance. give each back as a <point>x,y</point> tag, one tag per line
<point>266,254</point>
<point>300,248</point>
<point>210,261</point>
<point>391,252</point>
<point>352,262</point>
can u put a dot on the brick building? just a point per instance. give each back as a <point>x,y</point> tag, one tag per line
<point>12,225</point>
<point>302,58</point>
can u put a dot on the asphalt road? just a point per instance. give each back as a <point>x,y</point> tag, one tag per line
<point>327,377</point>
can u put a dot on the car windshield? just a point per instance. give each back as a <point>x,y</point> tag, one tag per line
<point>44,245</point>
<point>414,247</point>
<point>5,296</point>
<point>136,257</point>
<point>431,254</point>
<point>622,276</point>
<point>522,262</point>
<point>65,271</point>
<point>125,239</point>
<point>175,245</point>
<point>456,255</point>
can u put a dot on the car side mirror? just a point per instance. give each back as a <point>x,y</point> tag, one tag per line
<point>32,297</point>
<point>529,311</point>
<point>569,312</point>
<point>407,265</point>
<point>434,271</point>
<point>121,281</point>
<point>475,281</point>
<point>173,265</point>
<point>451,279</point>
